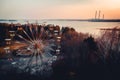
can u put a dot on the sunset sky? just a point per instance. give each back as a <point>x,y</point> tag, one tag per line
<point>62,9</point>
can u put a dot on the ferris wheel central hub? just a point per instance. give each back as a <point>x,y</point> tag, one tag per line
<point>36,46</point>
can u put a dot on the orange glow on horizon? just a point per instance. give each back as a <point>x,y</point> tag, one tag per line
<point>62,9</point>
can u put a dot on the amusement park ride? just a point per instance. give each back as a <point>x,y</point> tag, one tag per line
<point>40,58</point>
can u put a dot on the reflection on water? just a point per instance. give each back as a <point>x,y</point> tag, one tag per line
<point>85,27</point>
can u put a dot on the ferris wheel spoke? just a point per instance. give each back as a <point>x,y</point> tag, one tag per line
<point>30,60</point>
<point>41,32</point>
<point>27,35</point>
<point>24,38</point>
<point>36,30</point>
<point>31,31</point>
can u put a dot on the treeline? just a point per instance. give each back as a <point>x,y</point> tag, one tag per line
<point>85,49</point>
<point>86,57</point>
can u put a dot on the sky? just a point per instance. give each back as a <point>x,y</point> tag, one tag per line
<point>58,9</point>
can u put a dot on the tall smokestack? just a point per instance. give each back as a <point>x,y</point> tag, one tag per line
<point>99,14</point>
<point>103,16</point>
<point>96,15</point>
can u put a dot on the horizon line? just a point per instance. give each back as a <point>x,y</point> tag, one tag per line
<point>61,19</point>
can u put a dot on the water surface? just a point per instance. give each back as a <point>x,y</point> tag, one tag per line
<point>80,26</point>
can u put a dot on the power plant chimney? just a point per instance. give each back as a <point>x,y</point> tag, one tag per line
<point>99,14</point>
<point>96,15</point>
<point>103,16</point>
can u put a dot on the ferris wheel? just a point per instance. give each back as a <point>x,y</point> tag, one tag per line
<point>39,49</point>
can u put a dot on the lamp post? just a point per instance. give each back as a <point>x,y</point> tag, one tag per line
<point>12,34</point>
<point>7,41</point>
<point>56,32</point>
<point>57,51</point>
<point>8,53</point>
<point>7,50</point>
<point>58,39</point>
